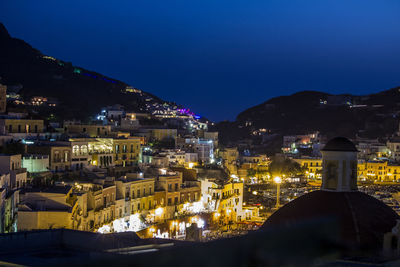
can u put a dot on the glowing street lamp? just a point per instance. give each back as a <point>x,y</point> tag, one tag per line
<point>278,182</point>
<point>159,211</point>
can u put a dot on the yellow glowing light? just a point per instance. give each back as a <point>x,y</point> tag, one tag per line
<point>277,180</point>
<point>191,164</point>
<point>255,193</point>
<point>159,211</point>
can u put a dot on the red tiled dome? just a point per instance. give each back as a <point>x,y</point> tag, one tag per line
<point>362,219</point>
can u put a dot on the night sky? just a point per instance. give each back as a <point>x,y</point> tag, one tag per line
<point>220,57</point>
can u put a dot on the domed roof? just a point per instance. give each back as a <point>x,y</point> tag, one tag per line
<point>340,144</point>
<point>362,219</point>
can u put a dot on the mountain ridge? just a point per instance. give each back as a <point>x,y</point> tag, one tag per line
<point>371,115</point>
<point>81,92</point>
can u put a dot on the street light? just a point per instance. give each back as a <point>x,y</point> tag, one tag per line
<point>159,211</point>
<point>278,182</point>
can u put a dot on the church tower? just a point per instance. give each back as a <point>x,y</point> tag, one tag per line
<point>339,161</point>
<point>362,220</point>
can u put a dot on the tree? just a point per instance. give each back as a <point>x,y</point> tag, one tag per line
<point>284,166</point>
<point>167,142</point>
<point>251,172</point>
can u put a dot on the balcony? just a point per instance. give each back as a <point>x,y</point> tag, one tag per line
<point>19,171</point>
<point>226,196</point>
<point>109,204</point>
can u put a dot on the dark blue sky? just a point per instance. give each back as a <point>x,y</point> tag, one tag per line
<point>220,57</point>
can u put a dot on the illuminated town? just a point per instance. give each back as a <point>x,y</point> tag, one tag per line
<point>116,175</point>
<point>96,171</point>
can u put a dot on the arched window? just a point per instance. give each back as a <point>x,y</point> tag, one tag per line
<point>75,150</point>
<point>84,149</point>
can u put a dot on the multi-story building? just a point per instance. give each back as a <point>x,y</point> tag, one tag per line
<point>257,159</point>
<point>47,209</point>
<point>59,155</point>
<point>212,136</point>
<point>294,143</point>
<point>138,116</point>
<point>168,185</point>
<point>205,150</point>
<point>191,157</point>
<point>90,130</point>
<point>376,170</point>
<point>230,156</point>
<point>393,172</point>
<point>9,199</point>
<point>101,151</point>
<point>313,166</point>
<point>101,201</point>
<point>18,126</point>
<point>190,192</point>
<point>226,200</point>
<point>138,193</point>
<point>175,157</point>
<point>80,157</point>
<point>35,163</point>
<point>12,164</point>
<point>108,196</point>
<point>394,147</point>
<point>370,149</point>
<point>362,171</point>
<point>129,123</point>
<point>160,134</point>
<point>127,151</point>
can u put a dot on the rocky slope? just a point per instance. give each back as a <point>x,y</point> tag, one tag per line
<point>375,115</point>
<point>81,93</point>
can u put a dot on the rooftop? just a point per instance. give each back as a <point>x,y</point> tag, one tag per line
<point>340,144</point>
<point>54,189</point>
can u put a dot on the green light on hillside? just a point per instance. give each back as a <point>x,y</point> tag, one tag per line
<point>77,70</point>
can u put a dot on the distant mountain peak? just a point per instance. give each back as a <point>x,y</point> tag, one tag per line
<point>3,32</point>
